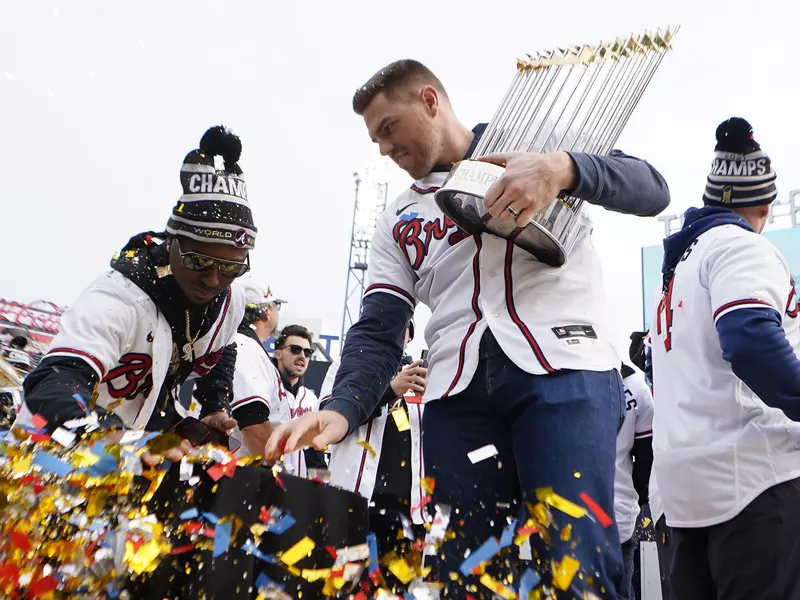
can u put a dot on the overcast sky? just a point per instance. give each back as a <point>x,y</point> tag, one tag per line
<point>100,101</point>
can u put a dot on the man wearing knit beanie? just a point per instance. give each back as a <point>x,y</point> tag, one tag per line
<point>164,313</point>
<point>726,381</point>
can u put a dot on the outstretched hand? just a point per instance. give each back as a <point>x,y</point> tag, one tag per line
<point>317,429</point>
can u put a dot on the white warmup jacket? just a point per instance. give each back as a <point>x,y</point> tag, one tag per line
<point>116,329</point>
<point>256,380</point>
<point>354,468</point>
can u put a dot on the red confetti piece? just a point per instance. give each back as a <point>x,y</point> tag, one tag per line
<point>360,596</point>
<point>9,573</point>
<point>20,540</point>
<point>526,530</point>
<point>40,437</point>
<point>192,527</point>
<point>598,512</point>
<point>39,421</point>
<point>137,543</point>
<point>331,550</point>
<point>182,549</point>
<point>93,545</point>
<point>208,532</point>
<point>43,586</point>
<point>279,482</point>
<point>317,480</point>
<point>263,515</point>
<point>215,472</point>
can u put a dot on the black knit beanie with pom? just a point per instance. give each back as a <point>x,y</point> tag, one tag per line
<point>214,207</point>
<point>741,174</point>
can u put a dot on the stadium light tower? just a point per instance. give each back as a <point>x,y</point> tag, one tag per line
<point>371,191</point>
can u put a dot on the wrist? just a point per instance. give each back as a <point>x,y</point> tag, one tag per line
<point>566,171</point>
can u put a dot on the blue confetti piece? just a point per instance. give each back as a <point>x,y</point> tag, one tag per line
<point>285,522</point>
<point>79,399</point>
<point>222,538</point>
<point>262,581</point>
<point>485,552</point>
<point>508,535</point>
<point>192,513</point>
<point>250,547</point>
<point>211,518</point>
<point>51,464</point>
<point>112,591</point>
<point>530,579</point>
<point>372,542</point>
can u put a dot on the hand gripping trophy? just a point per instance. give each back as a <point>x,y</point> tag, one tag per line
<point>576,99</point>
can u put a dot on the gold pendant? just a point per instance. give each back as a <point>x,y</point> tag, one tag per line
<point>188,353</point>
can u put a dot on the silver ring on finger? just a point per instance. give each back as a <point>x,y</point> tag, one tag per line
<point>513,212</point>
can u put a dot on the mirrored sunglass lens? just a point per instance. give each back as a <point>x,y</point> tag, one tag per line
<point>232,269</point>
<point>195,262</point>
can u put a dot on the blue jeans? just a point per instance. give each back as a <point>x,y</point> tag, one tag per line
<point>628,568</point>
<point>557,431</point>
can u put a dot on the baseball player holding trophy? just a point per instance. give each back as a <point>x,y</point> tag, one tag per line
<point>522,367</point>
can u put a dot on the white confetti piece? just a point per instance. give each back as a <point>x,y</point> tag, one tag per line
<point>482,453</point>
<point>63,437</point>
<point>186,470</point>
<point>131,436</point>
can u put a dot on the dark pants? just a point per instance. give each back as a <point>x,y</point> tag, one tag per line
<point>754,555</point>
<point>628,568</point>
<point>665,547</point>
<point>555,431</point>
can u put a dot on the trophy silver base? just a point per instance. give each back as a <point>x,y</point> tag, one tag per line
<point>549,236</point>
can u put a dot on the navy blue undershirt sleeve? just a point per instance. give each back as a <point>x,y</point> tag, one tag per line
<point>372,351</point>
<point>620,183</point>
<point>753,341</point>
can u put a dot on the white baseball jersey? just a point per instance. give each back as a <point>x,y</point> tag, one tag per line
<point>544,318</point>
<point>116,329</point>
<point>256,380</point>
<point>717,446</point>
<point>354,468</point>
<point>304,402</point>
<point>638,425</point>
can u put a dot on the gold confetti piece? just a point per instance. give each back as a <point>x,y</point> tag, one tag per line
<point>646,522</point>
<point>400,569</point>
<point>401,419</point>
<point>577,475</point>
<point>155,483</point>
<point>565,572</point>
<point>300,550</point>
<point>428,484</point>
<point>312,575</point>
<point>365,444</point>
<point>498,588</point>
<point>548,496</point>
<point>566,532</point>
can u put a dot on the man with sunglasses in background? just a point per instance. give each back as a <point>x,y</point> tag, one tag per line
<point>292,352</point>
<point>165,313</point>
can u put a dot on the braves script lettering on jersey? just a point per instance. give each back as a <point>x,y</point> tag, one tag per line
<point>544,318</point>
<point>638,425</point>
<point>717,445</point>
<point>116,329</point>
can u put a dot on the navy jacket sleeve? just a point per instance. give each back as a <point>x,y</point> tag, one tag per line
<point>50,387</point>
<point>620,183</point>
<point>754,343</point>
<point>372,351</point>
<point>215,390</point>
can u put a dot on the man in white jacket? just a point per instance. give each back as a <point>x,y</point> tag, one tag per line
<point>259,398</point>
<point>165,313</point>
<point>382,459</point>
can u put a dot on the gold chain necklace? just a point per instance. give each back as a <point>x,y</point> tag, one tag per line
<point>188,348</point>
